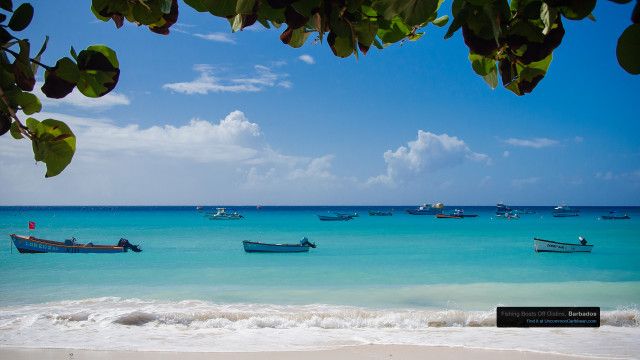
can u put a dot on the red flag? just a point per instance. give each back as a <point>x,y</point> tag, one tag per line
<point>32,225</point>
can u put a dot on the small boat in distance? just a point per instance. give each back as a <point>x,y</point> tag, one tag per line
<point>428,209</point>
<point>33,245</point>
<point>445,216</point>
<point>458,212</point>
<point>554,246</point>
<point>565,211</point>
<point>349,215</point>
<point>222,214</point>
<point>615,215</point>
<point>507,216</point>
<point>256,246</point>
<point>333,218</point>
<point>380,213</point>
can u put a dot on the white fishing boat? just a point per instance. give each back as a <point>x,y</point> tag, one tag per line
<point>565,211</point>
<point>554,246</point>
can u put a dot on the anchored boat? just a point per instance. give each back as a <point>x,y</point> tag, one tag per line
<point>256,246</point>
<point>33,245</point>
<point>554,246</point>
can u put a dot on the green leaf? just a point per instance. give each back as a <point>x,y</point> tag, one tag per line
<point>34,66</point>
<point>147,13</point>
<point>99,71</point>
<point>578,9</point>
<point>458,20</point>
<point>53,143</point>
<point>15,131</point>
<point>29,103</point>
<point>60,80</point>
<point>366,31</point>
<point>22,67</point>
<point>441,21</point>
<point>21,18</point>
<point>245,6</point>
<point>341,46</point>
<point>196,5</point>
<point>221,8</point>
<point>628,49</point>
<point>299,37</point>
<point>415,12</point>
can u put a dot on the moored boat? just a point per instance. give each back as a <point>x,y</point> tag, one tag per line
<point>222,214</point>
<point>256,246</point>
<point>445,216</point>
<point>554,246</point>
<point>33,245</point>
<point>428,209</point>
<point>380,213</point>
<point>615,215</point>
<point>333,218</point>
<point>565,211</point>
<point>507,216</point>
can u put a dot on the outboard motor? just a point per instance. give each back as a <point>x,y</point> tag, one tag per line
<point>127,245</point>
<point>306,242</point>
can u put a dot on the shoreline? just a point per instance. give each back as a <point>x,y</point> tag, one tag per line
<point>359,352</point>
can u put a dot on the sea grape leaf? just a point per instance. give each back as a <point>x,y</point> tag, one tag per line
<point>99,72</point>
<point>415,12</point>
<point>15,131</point>
<point>578,9</point>
<point>6,5</point>
<point>147,13</point>
<point>21,18</point>
<point>441,21</point>
<point>628,49</point>
<point>60,80</point>
<point>29,103</point>
<point>22,67</point>
<point>53,143</point>
<point>221,8</point>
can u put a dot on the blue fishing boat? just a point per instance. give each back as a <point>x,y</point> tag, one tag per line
<point>256,246</point>
<point>33,245</point>
<point>615,215</point>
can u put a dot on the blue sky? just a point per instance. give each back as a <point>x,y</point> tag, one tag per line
<point>207,117</point>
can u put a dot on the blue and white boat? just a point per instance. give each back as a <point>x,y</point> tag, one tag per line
<point>33,245</point>
<point>554,246</point>
<point>565,211</point>
<point>428,209</point>
<point>616,215</point>
<point>256,246</point>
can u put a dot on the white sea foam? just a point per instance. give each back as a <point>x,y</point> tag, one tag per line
<point>131,324</point>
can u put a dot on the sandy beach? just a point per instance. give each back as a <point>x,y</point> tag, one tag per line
<point>365,352</point>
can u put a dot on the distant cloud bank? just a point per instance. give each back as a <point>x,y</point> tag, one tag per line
<point>534,143</point>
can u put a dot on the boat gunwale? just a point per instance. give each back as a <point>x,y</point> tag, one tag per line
<point>561,243</point>
<point>261,243</point>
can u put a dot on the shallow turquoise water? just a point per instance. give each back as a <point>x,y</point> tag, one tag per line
<point>401,261</point>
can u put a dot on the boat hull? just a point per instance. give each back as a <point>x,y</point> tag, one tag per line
<point>553,246</point>
<point>258,247</point>
<point>333,218</point>
<point>379,213</point>
<point>607,217</point>
<point>444,216</point>
<point>32,245</point>
<point>565,214</point>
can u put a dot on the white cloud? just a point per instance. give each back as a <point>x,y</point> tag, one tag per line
<point>428,154</point>
<point>228,159</point>
<point>217,37</point>
<point>76,99</point>
<point>207,82</point>
<point>506,154</point>
<point>534,143</point>
<point>307,58</point>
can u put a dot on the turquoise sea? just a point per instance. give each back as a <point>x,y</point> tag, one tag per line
<point>401,279</point>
